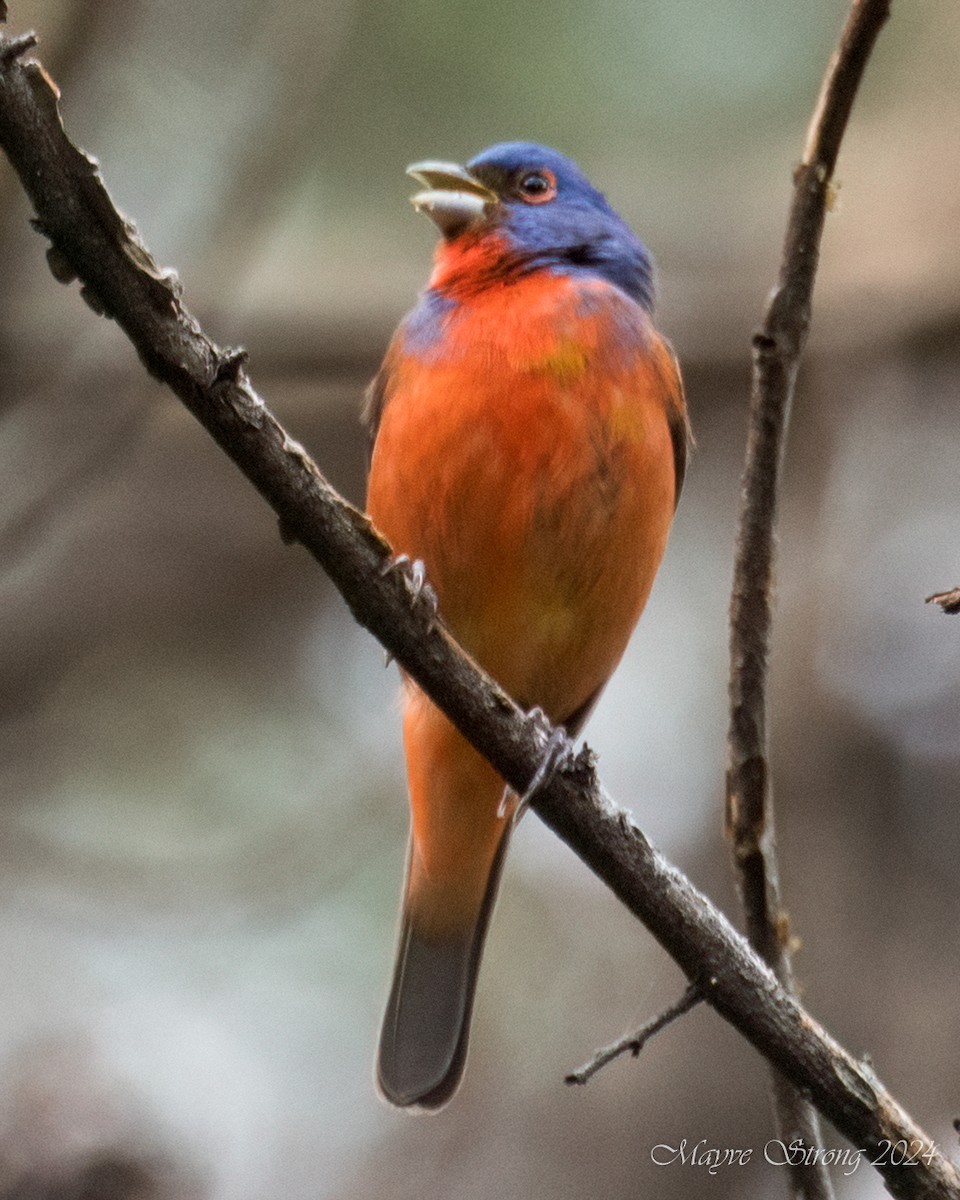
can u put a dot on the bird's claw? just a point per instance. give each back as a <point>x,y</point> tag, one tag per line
<point>414,576</point>
<point>558,753</point>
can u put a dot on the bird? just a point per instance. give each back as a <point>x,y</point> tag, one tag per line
<point>529,437</point>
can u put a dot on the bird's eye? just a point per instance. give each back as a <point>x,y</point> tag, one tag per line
<point>537,187</point>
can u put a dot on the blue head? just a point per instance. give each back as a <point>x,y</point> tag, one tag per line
<point>545,208</point>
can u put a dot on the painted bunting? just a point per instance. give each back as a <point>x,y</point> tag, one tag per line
<point>529,437</point>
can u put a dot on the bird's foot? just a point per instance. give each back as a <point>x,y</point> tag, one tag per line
<point>414,576</point>
<point>558,753</point>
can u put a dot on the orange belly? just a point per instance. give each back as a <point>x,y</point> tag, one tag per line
<point>533,475</point>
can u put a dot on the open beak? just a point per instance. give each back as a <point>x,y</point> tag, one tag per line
<point>452,197</point>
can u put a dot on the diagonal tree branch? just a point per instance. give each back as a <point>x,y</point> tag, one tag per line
<point>92,242</point>
<point>777,348</point>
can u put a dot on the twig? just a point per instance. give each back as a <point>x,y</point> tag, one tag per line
<point>635,1042</point>
<point>103,251</point>
<point>948,601</point>
<point>777,348</point>
<point>15,47</point>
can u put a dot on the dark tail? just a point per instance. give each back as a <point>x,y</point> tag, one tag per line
<point>423,1042</point>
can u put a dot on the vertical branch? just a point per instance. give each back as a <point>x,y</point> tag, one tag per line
<point>777,348</point>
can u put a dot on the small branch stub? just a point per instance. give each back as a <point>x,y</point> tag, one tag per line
<point>948,601</point>
<point>635,1042</point>
<point>18,46</point>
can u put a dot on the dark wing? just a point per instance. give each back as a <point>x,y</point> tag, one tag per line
<point>576,721</point>
<point>680,432</point>
<point>374,402</point>
<point>378,393</point>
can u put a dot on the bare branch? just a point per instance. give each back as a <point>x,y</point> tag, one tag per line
<point>104,253</point>
<point>777,350</point>
<point>635,1042</point>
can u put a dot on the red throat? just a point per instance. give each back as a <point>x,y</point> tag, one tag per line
<point>471,262</point>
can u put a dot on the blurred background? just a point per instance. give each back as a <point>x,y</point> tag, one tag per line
<point>203,816</point>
